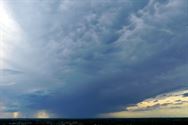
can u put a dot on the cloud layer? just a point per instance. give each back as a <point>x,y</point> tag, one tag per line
<point>76,58</point>
<point>172,104</point>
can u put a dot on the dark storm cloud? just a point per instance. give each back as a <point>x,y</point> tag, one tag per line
<point>83,58</point>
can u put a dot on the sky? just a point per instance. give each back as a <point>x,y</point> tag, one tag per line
<point>93,58</point>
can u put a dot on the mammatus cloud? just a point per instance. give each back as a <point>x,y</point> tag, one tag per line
<point>174,104</point>
<point>76,53</point>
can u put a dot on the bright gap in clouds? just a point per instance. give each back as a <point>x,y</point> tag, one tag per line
<point>42,114</point>
<point>3,21</point>
<point>7,29</point>
<point>10,34</point>
<point>173,104</point>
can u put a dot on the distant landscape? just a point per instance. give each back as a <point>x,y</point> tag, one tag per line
<point>126,121</point>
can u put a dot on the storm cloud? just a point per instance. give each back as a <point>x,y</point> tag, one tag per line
<point>82,58</point>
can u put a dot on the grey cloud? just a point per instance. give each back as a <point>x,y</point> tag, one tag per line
<point>88,50</point>
<point>186,94</point>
